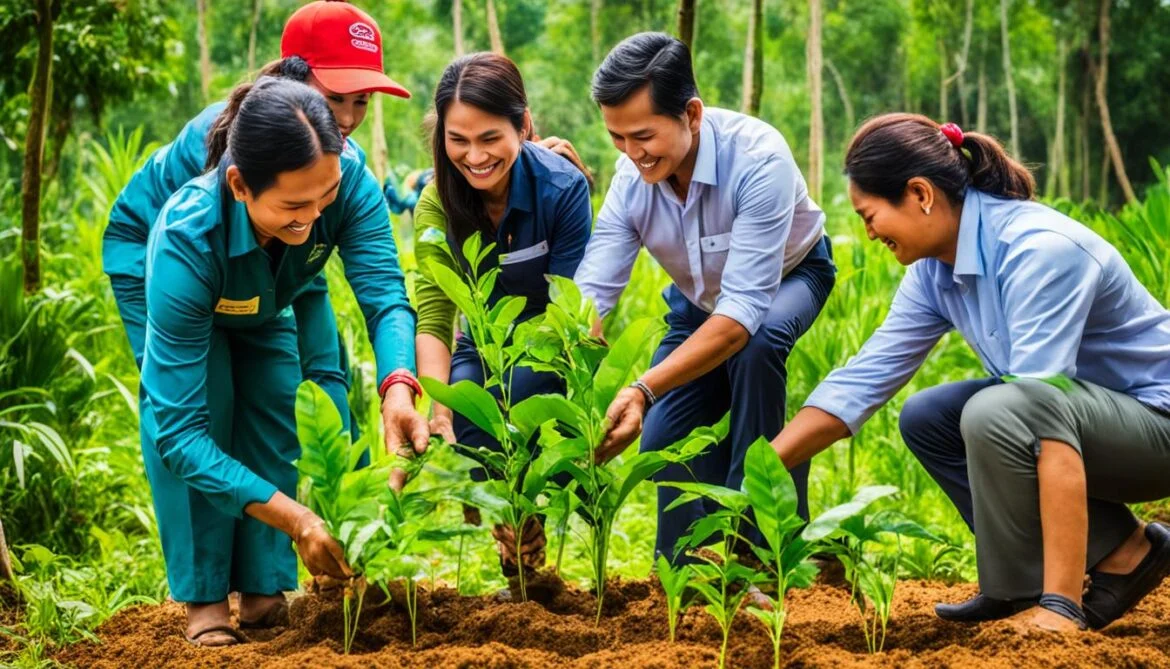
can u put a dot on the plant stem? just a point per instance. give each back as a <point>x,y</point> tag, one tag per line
<point>459,566</point>
<point>520,558</point>
<point>412,610</point>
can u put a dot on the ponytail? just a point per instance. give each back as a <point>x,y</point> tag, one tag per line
<point>888,150</point>
<point>274,126</point>
<point>293,67</point>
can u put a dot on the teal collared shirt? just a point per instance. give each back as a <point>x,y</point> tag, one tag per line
<point>1034,293</point>
<point>204,270</point>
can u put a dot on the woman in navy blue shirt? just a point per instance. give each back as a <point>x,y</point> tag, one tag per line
<point>533,204</point>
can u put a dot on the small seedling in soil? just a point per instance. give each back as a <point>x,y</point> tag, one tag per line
<point>873,577</point>
<point>674,583</point>
<point>789,542</point>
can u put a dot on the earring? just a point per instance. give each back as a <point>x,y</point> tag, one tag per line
<point>926,210</point>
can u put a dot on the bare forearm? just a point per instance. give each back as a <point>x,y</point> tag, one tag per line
<point>809,432</point>
<point>713,343</point>
<point>433,359</point>
<point>281,512</point>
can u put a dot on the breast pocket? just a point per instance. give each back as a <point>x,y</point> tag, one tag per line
<point>714,249</point>
<point>522,271</point>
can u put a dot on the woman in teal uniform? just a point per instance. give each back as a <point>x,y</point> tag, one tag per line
<point>228,255</point>
<point>316,48</point>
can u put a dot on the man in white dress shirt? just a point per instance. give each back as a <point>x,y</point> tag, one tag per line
<point>717,199</point>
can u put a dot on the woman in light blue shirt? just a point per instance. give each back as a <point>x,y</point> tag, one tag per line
<point>1073,419</point>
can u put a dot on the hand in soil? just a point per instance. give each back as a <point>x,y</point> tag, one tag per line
<point>532,544</point>
<point>320,552</point>
<point>1037,618</point>
<point>624,418</point>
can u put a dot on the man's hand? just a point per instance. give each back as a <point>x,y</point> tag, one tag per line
<point>406,430</point>
<point>564,148</point>
<point>531,546</point>
<point>624,418</point>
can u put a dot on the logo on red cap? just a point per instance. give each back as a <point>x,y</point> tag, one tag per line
<point>364,37</point>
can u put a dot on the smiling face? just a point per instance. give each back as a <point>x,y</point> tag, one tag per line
<point>482,146</point>
<point>658,145</point>
<point>906,228</point>
<point>287,210</point>
<point>349,110</point>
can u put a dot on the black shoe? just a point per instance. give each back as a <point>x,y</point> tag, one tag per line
<point>1110,595</point>
<point>981,607</point>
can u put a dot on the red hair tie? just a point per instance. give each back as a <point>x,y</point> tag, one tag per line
<point>953,133</point>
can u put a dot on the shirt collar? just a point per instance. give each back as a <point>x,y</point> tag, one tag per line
<point>519,189</point>
<point>969,254</point>
<point>705,172</point>
<point>241,236</point>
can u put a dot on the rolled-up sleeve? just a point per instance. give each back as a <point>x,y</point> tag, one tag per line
<point>611,251</point>
<point>367,248</point>
<point>180,302</point>
<point>755,261</point>
<point>887,360</point>
<point>1048,285</point>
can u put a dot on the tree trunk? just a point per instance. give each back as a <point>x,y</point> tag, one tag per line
<point>204,49</point>
<point>5,563</point>
<point>1007,75</point>
<point>1101,80</point>
<point>378,140</point>
<point>595,29</point>
<point>1083,126</point>
<point>40,96</point>
<point>457,26</point>
<point>944,82</point>
<point>252,34</point>
<point>816,130</point>
<point>1059,167</point>
<point>753,61</point>
<point>961,65</point>
<point>57,135</point>
<point>1103,195</point>
<point>494,28</point>
<point>686,23</point>
<point>981,101</point>
<point>850,119</point>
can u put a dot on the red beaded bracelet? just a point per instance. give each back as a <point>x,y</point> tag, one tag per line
<point>400,376</point>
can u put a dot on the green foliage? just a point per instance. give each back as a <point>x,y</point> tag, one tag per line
<point>674,583</point>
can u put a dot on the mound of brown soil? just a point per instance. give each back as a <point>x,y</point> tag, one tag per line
<point>822,631</point>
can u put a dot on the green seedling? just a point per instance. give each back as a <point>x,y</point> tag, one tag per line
<point>674,584</point>
<point>873,577</point>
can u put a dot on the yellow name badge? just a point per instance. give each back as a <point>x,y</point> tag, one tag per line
<point>238,307</point>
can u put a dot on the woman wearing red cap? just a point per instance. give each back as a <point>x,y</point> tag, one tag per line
<point>336,48</point>
<point>1071,421</point>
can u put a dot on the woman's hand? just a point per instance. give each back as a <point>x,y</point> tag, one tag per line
<point>320,552</point>
<point>565,149</point>
<point>405,428</point>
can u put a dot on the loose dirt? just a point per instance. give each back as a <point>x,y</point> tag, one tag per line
<point>823,630</point>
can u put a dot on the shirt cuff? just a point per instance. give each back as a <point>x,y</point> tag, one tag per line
<point>255,491</point>
<point>741,310</point>
<point>839,402</point>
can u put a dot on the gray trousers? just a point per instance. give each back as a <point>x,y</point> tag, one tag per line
<point>1125,446</point>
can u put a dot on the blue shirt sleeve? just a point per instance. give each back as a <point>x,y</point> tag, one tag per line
<point>367,249</point>
<point>139,203</point>
<point>611,252</point>
<point>574,218</point>
<point>887,360</point>
<point>766,197</point>
<point>1048,284</point>
<point>180,295</point>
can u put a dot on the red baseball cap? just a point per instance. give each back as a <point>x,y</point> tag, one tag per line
<point>342,46</point>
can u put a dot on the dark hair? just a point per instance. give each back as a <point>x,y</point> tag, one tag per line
<point>294,68</point>
<point>888,150</point>
<point>656,60</point>
<point>489,82</point>
<point>273,126</point>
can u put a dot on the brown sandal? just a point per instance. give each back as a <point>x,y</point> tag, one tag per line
<point>236,637</point>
